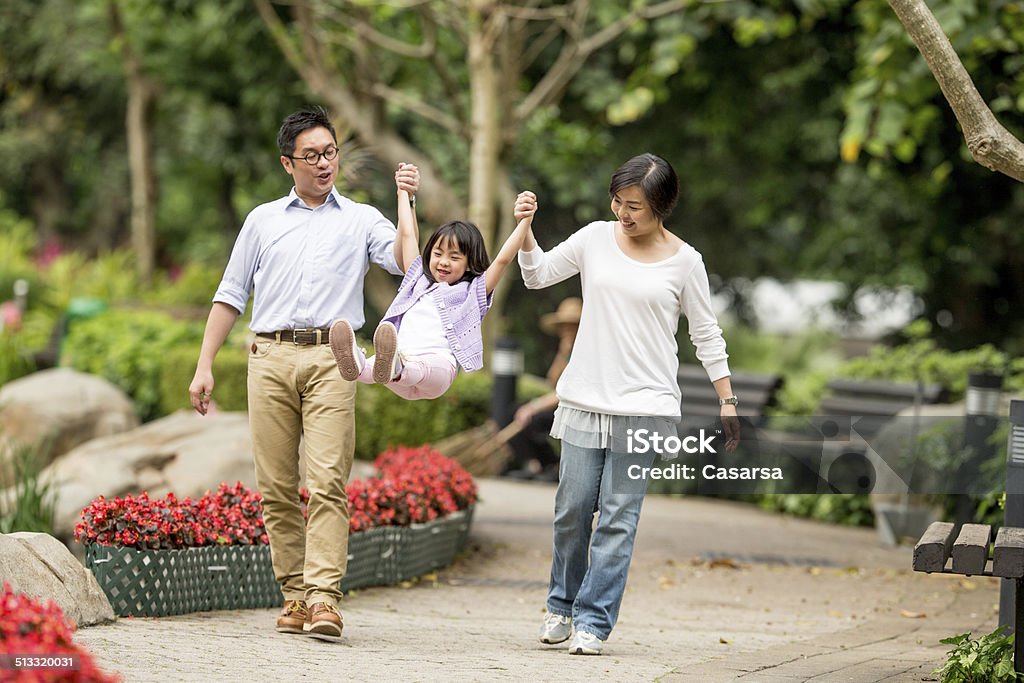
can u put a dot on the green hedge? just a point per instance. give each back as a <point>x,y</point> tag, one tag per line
<point>15,362</point>
<point>382,418</point>
<point>918,359</point>
<point>229,375</point>
<point>130,348</point>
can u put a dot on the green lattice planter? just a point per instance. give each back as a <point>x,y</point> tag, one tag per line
<point>154,583</point>
<point>425,547</point>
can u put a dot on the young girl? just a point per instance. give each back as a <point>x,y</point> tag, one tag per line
<point>433,325</point>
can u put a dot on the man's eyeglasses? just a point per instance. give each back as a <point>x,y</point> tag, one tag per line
<point>313,158</point>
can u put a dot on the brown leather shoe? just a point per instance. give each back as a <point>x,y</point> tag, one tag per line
<point>325,622</point>
<point>294,616</point>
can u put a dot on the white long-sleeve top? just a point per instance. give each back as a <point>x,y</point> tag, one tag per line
<point>625,359</point>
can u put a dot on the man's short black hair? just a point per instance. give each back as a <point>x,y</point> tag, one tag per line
<point>300,121</point>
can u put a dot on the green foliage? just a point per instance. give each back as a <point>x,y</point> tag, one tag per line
<point>801,394</point>
<point>923,360</point>
<point>129,349</point>
<point>109,277</point>
<point>193,287</point>
<point>32,505</point>
<point>846,509</point>
<point>229,373</point>
<point>14,360</point>
<point>988,659</point>
<point>384,419</point>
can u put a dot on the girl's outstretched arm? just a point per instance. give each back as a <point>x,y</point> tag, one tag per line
<point>407,243</point>
<point>526,207</point>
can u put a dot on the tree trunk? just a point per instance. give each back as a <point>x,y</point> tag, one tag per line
<point>989,142</point>
<point>140,160</point>
<point>139,125</point>
<point>485,124</point>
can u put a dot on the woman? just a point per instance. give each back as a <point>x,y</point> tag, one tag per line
<point>637,278</point>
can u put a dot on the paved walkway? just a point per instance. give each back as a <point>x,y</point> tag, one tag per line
<point>717,592</point>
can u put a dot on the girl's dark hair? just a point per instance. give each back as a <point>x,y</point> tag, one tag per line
<point>300,121</point>
<point>471,243</point>
<point>654,176</point>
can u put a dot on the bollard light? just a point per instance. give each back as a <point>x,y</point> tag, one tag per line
<point>21,294</point>
<point>506,365</point>
<point>981,407</point>
<point>983,393</point>
<point>1013,515</point>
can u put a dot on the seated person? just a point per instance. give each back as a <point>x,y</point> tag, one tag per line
<point>534,455</point>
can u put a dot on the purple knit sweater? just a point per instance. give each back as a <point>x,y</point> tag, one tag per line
<point>462,308</point>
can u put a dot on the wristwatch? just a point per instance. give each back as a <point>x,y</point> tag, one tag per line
<point>730,401</point>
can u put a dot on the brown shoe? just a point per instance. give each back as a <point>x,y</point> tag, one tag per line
<point>294,616</point>
<point>325,622</point>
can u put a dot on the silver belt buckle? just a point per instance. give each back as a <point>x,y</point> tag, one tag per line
<point>309,335</point>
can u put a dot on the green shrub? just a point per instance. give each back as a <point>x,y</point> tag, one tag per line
<point>800,394</point>
<point>14,360</point>
<point>384,419</point>
<point>32,507</point>
<point>229,374</point>
<point>847,509</point>
<point>988,659</point>
<point>111,277</point>
<point>17,243</point>
<point>920,359</point>
<point>129,348</point>
<point>193,287</point>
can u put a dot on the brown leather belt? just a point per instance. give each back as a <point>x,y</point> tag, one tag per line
<point>307,336</point>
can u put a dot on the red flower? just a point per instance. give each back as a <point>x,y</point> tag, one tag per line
<point>413,485</point>
<point>30,627</point>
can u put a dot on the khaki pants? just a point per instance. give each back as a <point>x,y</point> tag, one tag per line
<point>297,391</point>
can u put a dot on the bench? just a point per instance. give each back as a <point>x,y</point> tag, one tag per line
<point>700,406</point>
<point>970,557</point>
<point>875,401</point>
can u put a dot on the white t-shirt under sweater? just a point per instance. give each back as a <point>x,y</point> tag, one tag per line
<point>421,331</point>
<point>625,359</point>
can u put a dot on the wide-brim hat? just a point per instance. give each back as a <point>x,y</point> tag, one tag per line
<point>568,312</point>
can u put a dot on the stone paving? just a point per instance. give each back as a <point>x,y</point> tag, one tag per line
<point>717,591</point>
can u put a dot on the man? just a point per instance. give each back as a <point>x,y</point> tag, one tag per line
<point>304,258</point>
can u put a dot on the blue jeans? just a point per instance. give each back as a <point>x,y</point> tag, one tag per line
<point>589,586</point>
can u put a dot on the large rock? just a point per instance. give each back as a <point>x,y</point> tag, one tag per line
<point>42,567</point>
<point>183,453</point>
<point>59,409</point>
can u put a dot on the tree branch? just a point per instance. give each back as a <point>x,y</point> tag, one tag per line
<point>438,199</point>
<point>989,142</point>
<point>401,99</point>
<point>575,53</point>
<point>399,47</point>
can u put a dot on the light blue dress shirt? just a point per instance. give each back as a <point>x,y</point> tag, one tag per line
<point>305,267</point>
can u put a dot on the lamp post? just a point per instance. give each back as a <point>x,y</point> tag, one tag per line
<point>506,365</point>
<point>1013,515</point>
<point>980,419</point>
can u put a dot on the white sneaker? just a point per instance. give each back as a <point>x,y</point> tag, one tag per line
<point>555,629</point>
<point>584,643</point>
<point>347,354</point>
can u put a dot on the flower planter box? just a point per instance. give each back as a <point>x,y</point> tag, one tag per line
<point>152,583</point>
<point>426,547</point>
